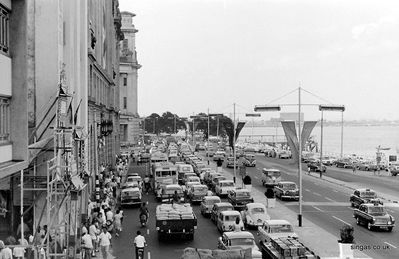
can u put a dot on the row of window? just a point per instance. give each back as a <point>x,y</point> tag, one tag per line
<point>4,30</point>
<point>4,119</point>
<point>99,89</point>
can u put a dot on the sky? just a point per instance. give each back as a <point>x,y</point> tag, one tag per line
<point>208,54</point>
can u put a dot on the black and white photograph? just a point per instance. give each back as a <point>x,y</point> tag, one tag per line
<point>199,129</point>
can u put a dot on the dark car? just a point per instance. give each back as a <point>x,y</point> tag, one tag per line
<point>373,216</point>
<point>315,167</point>
<point>239,198</point>
<point>361,196</point>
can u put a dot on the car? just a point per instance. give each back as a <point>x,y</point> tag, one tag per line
<point>216,180</point>
<point>130,196</point>
<point>192,179</point>
<point>218,156</point>
<point>363,195</point>
<point>207,204</point>
<point>209,175</point>
<point>270,177</point>
<point>230,162</point>
<point>239,240</point>
<point>226,221</point>
<point>224,187</point>
<point>186,176</point>
<point>286,190</point>
<point>249,160</point>
<point>219,207</point>
<point>373,215</point>
<point>197,192</point>
<point>394,169</point>
<point>284,154</point>
<point>239,198</point>
<point>254,214</point>
<point>166,192</point>
<point>315,167</point>
<point>275,228</point>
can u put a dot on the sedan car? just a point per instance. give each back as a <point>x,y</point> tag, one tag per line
<point>219,207</point>
<point>227,219</point>
<point>239,240</point>
<point>286,190</point>
<point>254,214</point>
<point>230,162</point>
<point>315,167</point>
<point>239,198</point>
<point>207,204</point>
<point>275,228</point>
<point>224,187</point>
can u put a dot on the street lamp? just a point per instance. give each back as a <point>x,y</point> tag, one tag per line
<point>322,108</point>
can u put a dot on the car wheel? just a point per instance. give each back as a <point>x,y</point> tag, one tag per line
<point>369,226</point>
<point>390,229</point>
<point>358,221</point>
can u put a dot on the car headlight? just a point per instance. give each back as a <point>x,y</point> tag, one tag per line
<point>373,220</point>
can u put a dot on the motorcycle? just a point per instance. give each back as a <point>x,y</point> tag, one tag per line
<point>143,220</point>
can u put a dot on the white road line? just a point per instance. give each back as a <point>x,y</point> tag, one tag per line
<point>148,231</point>
<point>149,255</point>
<point>307,190</point>
<point>328,199</point>
<point>390,245</point>
<point>315,193</point>
<point>341,220</point>
<point>317,208</point>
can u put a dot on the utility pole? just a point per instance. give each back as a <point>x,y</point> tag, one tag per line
<point>234,142</point>
<point>207,153</point>
<point>300,158</point>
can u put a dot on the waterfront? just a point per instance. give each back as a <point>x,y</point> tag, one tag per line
<point>359,140</point>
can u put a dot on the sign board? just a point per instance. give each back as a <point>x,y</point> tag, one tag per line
<point>393,158</point>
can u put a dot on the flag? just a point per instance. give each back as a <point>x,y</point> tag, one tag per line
<point>239,127</point>
<point>75,116</point>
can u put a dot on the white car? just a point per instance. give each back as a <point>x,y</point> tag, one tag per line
<point>254,214</point>
<point>275,228</point>
<point>130,196</point>
<point>227,219</point>
<point>224,187</point>
<point>239,240</point>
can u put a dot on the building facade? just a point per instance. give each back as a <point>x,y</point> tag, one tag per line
<point>16,79</point>
<point>129,66</point>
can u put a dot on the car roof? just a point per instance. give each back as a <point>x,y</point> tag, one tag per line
<point>255,205</point>
<point>172,186</point>
<point>271,170</point>
<point>230,212</point>
<point>241,190</point>
<point>212,198</point>
<point>241,234</point>
<point>372,205</point>
<point>227,181</point>
<point>223,204</point>
<point>286,182</point>
<point>130,188</point>
<point>365,190</point>
<point>277,222</point>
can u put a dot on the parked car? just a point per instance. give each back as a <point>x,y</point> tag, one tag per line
<point>219,207</point>
<point>207,204</point>
<point>230,162</point>
<point>224,187</point>
<point>374,215</point>
<point>239,198</point>
<point>249,160</point>
<point>197,192</point>
<point>254,214</point>
<point>286,190</point>
<point>362,195</point>
<point>315,167</point>
<point>218,156</point>
<point>239,240</point>
<point>226,220</point>
<point>216,180</point>
<point>275,228</point>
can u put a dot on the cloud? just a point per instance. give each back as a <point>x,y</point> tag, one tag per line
<point>371,30</point>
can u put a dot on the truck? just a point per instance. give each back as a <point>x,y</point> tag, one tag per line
<point>175,220</point>
<point>285,247</point>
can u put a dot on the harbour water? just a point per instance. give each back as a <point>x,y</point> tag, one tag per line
<point>359,140</point>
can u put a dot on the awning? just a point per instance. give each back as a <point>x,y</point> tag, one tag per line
<point>35,148</point>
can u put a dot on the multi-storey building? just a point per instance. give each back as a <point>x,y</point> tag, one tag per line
<point>16,78</point>
<point>129,118</point>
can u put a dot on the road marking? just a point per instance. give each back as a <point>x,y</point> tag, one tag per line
<point>390,244</point>
<point>307,190</point>
<point>148,231</point>
<point>341,220</point>
<point>315,193</point>
<point>317,208</point>
<point>149,255</point>
<point>328,199</point>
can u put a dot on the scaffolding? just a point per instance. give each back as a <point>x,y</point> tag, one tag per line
<point>61,184</point>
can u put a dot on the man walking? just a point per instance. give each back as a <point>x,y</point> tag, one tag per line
<point>139,243</point>
<point>247,182</point>
<point>105,242</point>
<point>87,244</point>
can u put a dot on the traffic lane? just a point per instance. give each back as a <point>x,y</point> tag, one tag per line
<point>206,235</point>
<point>346,175</point>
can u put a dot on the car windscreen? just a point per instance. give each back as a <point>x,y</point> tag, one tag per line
<point>377,211</point>
<point>243,194</point>
<point>281,228</point>
<point>211,202</point>
<point>289,186</point>
<point>258,210</point>
<point>242,242</point>
<point>200,188</point>
<point>228,184</point>
<point>230,218</point>
<point>272,173</point>
<point>368,194</point>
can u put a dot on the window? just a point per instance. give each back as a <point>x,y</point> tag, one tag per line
<point>125,80</point>
<point>4,119</point>
<point>124,102</point>
<point>4,30</point>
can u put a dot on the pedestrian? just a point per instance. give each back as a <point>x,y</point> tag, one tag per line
<point>237,225</point>
<point>109,215</point>
<point>87,244</point>
<point>247,182</point>
<point>6,252</point>
<point>308,170</point>
<point>94,232</point>
<point>147,184</point>
<point>118,222</point>
<point>354,169</point>
<point>139,243</point>
<point>105,242</point>
<point>19,252</point>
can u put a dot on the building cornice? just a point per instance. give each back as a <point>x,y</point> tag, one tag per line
<point>100,69</point>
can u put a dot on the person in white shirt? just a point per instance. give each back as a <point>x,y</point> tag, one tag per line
<point>105,242</point>
<point>139,243</point>
<point>93,232</point>
<point>87,244</point>
<point>19,252</point>
<point>6,252</point>
<point>109,215</point>
<point>118,222</point>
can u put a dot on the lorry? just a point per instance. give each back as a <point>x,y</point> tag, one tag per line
<point>285,247</point>
<point>175,220</point>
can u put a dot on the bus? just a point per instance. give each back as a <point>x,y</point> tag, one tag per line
<point>164,173</point>
<point>159,156</point>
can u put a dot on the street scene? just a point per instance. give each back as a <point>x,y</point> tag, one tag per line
<point>192,129</point>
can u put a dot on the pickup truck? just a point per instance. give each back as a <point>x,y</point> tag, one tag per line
<point>239,198</point>
<point>239,240</point>
<point>286,247</point>
<point>175,219</point>
<point>373,215</point>
<point>361,196</point>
